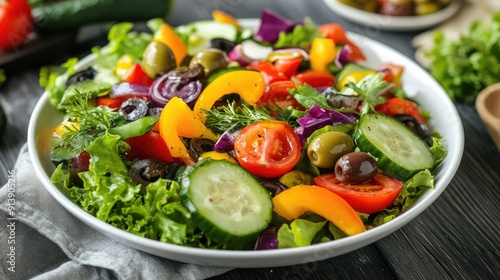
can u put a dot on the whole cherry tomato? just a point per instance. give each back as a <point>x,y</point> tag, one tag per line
<point>16,23</point>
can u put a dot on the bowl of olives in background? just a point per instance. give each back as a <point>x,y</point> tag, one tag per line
<point>395,15</point>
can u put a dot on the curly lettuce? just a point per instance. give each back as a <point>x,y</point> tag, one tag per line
<point>109,193</point>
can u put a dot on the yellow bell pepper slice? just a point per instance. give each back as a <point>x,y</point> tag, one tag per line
<point>220,16</point>
<point>322,53</point>
<point>66,126</point>
<point>295,201</point>
<point>123,65</point>
<point>354,77</point>
<point>218,156</point>
<point>249,85</point>
<point>177,120</point>
<point>166,35</point>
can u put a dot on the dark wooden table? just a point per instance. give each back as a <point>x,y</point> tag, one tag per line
<point>458,237</point>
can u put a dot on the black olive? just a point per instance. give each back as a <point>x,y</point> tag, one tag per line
<point>79,163</point>
<point>420,129</point>
<point>340,101</point>
<point>222,44</point>
<point>145,171</point>
<point>133,109</point>
<point>197,72</point>
<point>198,146</point>
<point>171,170</point>
<point>355,168</point>
<point>81,76</point>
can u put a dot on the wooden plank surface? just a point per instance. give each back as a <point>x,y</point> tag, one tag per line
<point>456,238</point>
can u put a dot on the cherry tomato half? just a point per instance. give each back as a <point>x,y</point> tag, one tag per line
<point>16,23</point>
<point>396,105</point>
<point>267,149</point>
<point>276,94</point>
<point>369,198</point>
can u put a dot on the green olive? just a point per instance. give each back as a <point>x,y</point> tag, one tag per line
<point>326,148</point>
<point>296,177</point>
<point>157,59</point>
<point>426,8</point>
<point>211,60</point>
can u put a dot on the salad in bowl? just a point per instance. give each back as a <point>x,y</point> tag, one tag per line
<point>216,136</point>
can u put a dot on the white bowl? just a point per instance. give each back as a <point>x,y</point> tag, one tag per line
<point>374,21</point>
<point>419,85</point>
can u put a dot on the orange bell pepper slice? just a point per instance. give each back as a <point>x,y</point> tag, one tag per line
<point>295,201</point>
<point>322,53</point>
<point>177,120</point>
<point>220,16</point>
<point>249,85</point>
<point>166,35</point>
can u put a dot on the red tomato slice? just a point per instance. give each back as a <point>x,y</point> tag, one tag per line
<point>276,94</point>
<point>268,70</point>
<point>267,149</point>
<point>315,79</point>
<point>288,66</point>
<point>115,102</point>
<point>16,23</point>
<point>148,146</point>
<point>369,198</point>
<point>396,105</point>
<point>136,75</point>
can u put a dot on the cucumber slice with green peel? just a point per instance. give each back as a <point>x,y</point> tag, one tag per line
<point>226,202</point>
<point>400,152</point>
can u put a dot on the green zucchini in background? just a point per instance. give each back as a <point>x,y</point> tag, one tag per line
<point>56,15</point>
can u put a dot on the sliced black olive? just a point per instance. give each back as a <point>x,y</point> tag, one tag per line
<point>340,101</point>
<point>78,163</point>
<point>355,168</point>
<point>81,76</point>
<point>420,129</point>
<point>133,109</point>
<point>146,171</point>
<point>198,146</point>
<point>222,44</point>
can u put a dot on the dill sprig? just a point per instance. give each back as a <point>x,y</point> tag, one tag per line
<point>87,122</point>
<point>236,116</point>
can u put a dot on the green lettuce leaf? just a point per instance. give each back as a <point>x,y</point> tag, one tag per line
<point>122,40</point>
<point>299,233</point>
<point>412,190</point>
<point>108,192</point>
<point>302,35</point>
<point>53,79</point>
<point>438,149</point>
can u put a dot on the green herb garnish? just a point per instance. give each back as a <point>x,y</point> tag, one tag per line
<point>236,116</point>
<point>367,89</point>
<point>93,122</point>
<point>466,66</point>
<point>307,96</point>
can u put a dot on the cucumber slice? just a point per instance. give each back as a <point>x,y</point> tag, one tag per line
<point>226,202</point>
<point>400,152</point>
<point>201,32</point>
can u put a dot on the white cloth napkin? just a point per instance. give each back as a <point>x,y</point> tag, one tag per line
<point>458,24</point>
<point>52,244</point>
